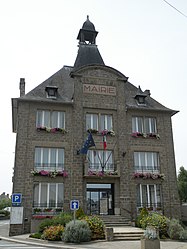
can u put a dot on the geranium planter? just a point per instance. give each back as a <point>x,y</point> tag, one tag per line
<point>150,244</point>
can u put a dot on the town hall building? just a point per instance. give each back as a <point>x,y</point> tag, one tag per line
<point>88,134</point>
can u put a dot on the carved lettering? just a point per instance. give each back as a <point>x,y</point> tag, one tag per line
<point>99,89</point>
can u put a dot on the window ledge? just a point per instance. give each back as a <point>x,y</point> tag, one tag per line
<point>152,176</point>
<point>51,130</point>
<point>145,135</point>
<point>101,133</point>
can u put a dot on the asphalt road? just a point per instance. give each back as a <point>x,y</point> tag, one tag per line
<point>12,245</point>
<point>4,227</point>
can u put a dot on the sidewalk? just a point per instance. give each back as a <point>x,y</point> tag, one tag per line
<point>165,244</point>
<point>168,244</point>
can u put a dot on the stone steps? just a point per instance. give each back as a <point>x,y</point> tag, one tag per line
<point>127,235</point>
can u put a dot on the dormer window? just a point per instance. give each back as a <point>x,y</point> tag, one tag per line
<point>141,100</point>
<point>140,96</point>
<point>51,92</point>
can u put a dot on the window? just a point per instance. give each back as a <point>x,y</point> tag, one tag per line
<point>144,125</point>
<point>149,195</point>
<point>146,161</point>
<point>48,195</point>
<point>51,92</point>
<point>49,159</point>
<point>53,119</point>
<point>99,121</point>
<point>100,158</point>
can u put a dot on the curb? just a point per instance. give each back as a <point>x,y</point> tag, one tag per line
<point>44,243</point>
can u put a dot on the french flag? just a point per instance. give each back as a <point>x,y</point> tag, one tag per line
<point>104,142</point>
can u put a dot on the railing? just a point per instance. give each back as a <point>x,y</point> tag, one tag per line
<point>147,169</point>
<point>150,206</point>
<point>47,209</point>
<point>100,166</point>
<point>49,166</point>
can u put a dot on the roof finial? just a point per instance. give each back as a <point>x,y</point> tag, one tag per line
<point>88,17</point>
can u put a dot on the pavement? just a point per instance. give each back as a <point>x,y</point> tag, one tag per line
<point>164,244</point>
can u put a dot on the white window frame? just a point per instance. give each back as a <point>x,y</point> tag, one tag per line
<point>95,160</point>
<point>49,167</point>
<point>139,124</point>
<point>105,126</point>
<point>39,204</point>
<point>156,197</point>
<point>155,165</point>
<point>50,121</point>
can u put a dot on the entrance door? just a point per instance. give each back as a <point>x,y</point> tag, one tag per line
<point>100,199</point>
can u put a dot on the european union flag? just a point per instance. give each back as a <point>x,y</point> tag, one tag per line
<point>88,143</point>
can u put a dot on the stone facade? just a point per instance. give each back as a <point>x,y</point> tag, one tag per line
<point>75,102</point>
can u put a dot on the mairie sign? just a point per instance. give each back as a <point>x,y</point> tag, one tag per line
<point>16,198</point>
<point>74,204</point>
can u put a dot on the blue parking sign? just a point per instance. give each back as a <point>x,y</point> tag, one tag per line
<point>74,204</point>
<point>16,198</point>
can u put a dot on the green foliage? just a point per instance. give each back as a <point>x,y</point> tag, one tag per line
<point>182,184</point>
<point>61,219</point>
<point>35,235</point>
<point>96,226</point>
<point>160,222</point>
<point>53,233</point>
<point>5,202</point>
<point>175,230</point>
<point>4,213</point>
<point>183,235</point>
<point>143,213</point>
<point>77,232</point>
<point>45,224</point>
<point>80,213</point>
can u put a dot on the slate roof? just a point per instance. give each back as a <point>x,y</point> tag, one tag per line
<point>61,80</point>
<point>87,55</point>
<point>65,83</point>
<point>150,103</point>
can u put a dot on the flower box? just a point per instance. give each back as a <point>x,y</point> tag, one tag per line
<point>51,174</point>
<point>52,130</point>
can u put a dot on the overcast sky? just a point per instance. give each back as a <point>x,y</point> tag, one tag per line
<point>146,40</point>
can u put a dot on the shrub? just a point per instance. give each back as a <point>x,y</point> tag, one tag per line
<point>143,213</point>
<point>45,224</point>
<point>62,219</point>
<point>53,233</point>
<point>80,213</point>
<point>183,235</point>
<point>175,229</point>
<point>96,226</point>
<point>77,232</point>
<point>35,235</point>
<point>4,213</point>
<point>160,222</point>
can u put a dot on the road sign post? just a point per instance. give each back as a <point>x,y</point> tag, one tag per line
<point>74,205</point>
<point>16,199</point>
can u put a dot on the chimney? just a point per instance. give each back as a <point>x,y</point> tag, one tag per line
<point>22,87</point>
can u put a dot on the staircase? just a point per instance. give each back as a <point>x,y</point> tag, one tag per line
<point>122,229</point>
<point>115,220</point>
<point>130,233</point>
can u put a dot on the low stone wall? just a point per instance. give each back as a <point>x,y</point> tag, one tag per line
<point>109,233</point>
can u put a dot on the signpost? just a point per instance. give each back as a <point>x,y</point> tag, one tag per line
<point>16,199</point>
<point>74,205</point>
<point>16,215</point>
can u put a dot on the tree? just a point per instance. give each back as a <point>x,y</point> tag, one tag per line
<point>5,202</point>
<point>182,184</point>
